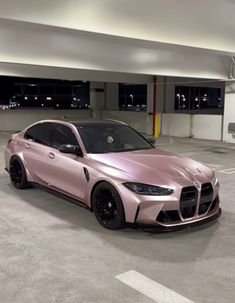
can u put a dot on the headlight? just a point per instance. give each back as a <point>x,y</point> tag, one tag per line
<point>145,189</point>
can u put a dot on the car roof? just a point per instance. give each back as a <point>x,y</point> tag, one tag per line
<point>96,123</point>
<point>78,123</point>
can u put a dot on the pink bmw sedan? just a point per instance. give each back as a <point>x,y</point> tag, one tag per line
<point>114,171</point>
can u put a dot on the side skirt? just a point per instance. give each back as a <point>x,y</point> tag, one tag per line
<point>61,195</point>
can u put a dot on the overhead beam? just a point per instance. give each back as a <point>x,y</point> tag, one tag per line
<point>53,72</point>
<point>203,24</point>
<point>43,45</point>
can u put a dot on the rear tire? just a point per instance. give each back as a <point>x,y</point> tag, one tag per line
<point>18,174</point>
<point>108,207</point>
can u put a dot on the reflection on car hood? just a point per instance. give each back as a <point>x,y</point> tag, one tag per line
<point>155,165</point>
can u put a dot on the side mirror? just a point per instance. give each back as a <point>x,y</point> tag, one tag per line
<point>71,149</point>
<point>152,140</point>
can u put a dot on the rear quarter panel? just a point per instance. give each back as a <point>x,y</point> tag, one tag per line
<point>14,147</point>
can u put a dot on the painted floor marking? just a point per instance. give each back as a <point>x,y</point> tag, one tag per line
<point>150,288</point>
<point>205,143</point>
<point>213,166</point>
<point>228,171</point>
<point>195,153</point>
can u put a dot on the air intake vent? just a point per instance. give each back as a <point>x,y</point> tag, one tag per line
<point>206,198</point>
<point>188,202</point>
<point>168,216</point>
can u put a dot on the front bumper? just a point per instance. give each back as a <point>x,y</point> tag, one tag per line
<point>191,224</point>
<point>169,214</point>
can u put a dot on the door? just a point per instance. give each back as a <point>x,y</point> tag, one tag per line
<point>65,170</point>
<point>35,147</point>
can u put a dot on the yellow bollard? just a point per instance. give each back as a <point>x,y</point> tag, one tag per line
<point>156,128</point>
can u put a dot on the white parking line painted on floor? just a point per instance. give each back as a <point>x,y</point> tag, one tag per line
<point>213,166</point>
<point>228,171</point>
<point>150,288</point>
<point>194,153</point>
<point>206,143</point>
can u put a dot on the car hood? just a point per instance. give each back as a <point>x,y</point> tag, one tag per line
<point>155,166</point>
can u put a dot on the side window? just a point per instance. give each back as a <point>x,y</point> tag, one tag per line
<point>31,133</point>
<point>63,135</point>
<point>43,135</point>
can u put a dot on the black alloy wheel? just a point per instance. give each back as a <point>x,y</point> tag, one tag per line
<point>18,174</point>
<point>108,207</point>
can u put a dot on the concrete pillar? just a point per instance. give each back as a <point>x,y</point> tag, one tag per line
<point>159,101</point>
<point>229,111</point>
<point>97,99</point>
<point>111,96</point>
<point>149,110</point>
<point>160,94</point>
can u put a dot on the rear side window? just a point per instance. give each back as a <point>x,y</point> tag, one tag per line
<point>30,134</point>
<point>40,133</point>
<point>63,135</point>
<point>44,134</point>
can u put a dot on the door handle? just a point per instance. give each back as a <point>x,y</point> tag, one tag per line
<point>27,145</point>
<point>51,155</point>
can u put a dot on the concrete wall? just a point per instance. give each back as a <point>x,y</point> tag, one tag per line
<point>142,121</point>
<point>187,124</point>
<point>198,126</point>
<point>175,125</point>
<point>207,127</point>
<point>104,103</point>
<point>11,120</point>
<point>134,119</point>
<point>229,111</point>
<point>181,125</point>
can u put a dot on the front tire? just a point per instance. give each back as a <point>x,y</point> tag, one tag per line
<point>108,207</point>
<point>18,174</point>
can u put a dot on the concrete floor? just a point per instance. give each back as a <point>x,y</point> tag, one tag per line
<point>54,251</point>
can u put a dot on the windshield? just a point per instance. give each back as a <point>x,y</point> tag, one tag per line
<point>105,138</point>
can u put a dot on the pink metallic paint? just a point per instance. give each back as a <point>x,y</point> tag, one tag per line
<point>64,173</point>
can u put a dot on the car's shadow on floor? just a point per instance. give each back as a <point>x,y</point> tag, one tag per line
<point>179,246</point>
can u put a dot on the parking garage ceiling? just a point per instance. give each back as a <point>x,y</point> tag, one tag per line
<point>162,37</point>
